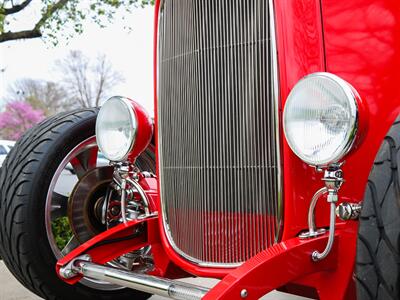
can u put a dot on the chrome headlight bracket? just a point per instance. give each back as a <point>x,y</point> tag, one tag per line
<point>333,178</point>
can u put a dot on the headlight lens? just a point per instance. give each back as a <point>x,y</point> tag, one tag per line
<point>320,119</point>
<point>116,127</point>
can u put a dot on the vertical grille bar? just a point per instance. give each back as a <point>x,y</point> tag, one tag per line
<point>217,129</point>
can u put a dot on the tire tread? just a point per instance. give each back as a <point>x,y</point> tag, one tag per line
<point>13,179</point>
<point>378,262</point>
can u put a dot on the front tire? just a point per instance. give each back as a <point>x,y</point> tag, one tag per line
<point>378,246</point>
<point>25,180</point>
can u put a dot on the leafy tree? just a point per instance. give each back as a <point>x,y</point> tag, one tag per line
<point>48,96</point>
<point>56,15</point>
<point>85,83</point>
<point>18,117</point>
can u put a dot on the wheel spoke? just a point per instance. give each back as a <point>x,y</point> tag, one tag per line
<point>84,161</point>
<point>71,245</point>
<point>59,206</point>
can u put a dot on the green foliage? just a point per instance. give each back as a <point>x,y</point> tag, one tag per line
<point>62,232</point>
<point>62,18</point>
<point>2,21</point>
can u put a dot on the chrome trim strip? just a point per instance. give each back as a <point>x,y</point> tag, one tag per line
<point>276,93</point>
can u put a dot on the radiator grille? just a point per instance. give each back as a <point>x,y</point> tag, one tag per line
<point>217,124</point>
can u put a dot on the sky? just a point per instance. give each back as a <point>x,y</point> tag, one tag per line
<point>129,51</point>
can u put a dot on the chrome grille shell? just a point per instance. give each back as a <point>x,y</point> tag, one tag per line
<point>218,129</point>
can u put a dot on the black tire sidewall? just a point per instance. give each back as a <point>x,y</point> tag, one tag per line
<point>377,271</point>
<point>42,261</point>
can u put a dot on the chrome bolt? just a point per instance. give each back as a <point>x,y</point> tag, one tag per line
<point>115,210</point>
<point>67,273</point>
<point>348,211</point>
<point>243,293</point>
<point>315,255</point>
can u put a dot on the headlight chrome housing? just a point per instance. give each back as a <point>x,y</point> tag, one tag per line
<point>320,119</point>
<point>123,129</point>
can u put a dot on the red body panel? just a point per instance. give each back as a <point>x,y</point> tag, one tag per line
<point>300,47</point>
<point>359,38</point>
<point>292,256</point>
<point>358,41</point>
<point>328,36</point>
<point>354,51</point>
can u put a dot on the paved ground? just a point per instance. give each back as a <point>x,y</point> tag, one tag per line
<point>11,289</point>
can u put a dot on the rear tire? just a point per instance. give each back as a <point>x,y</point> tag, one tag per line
<point>24,180</point>
<point>378,245</point>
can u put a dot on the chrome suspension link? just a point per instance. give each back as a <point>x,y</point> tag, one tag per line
<point>147,283</point>
<point>126,180</point>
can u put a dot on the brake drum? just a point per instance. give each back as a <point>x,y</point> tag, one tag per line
<point>85,202</point>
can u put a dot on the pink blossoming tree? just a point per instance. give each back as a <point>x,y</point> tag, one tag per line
<point>18,117</point>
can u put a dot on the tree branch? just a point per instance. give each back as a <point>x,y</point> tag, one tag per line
<point>15,8</point>
<point>102,70</point>
<point>25,34</point>
<point>36,31</point>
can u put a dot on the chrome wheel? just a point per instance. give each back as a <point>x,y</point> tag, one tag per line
<point>79,176</point>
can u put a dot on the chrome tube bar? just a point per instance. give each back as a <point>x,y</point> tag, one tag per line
<point>311,215</point>
<point>333,178</point>
<point>312,228</point>
<point>122,176</point>
<point>142,194</point>
<point>316,256</point>
<point>123,200</point>
<point>145,283</point>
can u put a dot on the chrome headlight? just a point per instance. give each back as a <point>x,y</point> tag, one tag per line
<point>116,128</point>
<point>320,119</point>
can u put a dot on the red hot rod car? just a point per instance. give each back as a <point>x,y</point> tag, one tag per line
<point>272,163</point>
